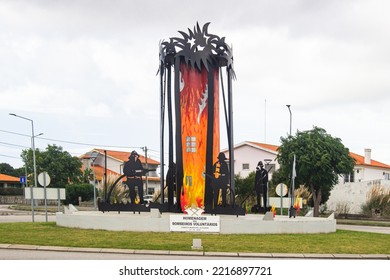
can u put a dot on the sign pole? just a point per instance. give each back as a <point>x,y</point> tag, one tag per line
<point>25,181</point>
<point>281,199</point>
<point>59,202</point>
<point>32,203</point>
<point>44,187</point>
<point>44,180</point>
<point>281,190</point>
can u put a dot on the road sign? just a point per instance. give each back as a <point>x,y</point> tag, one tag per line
<point>22,179</point>
<point>281,189</point>
<point>44,179</point>
<point>51,193</point>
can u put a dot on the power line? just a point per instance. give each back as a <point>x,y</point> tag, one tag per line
<point>14,145</point>
<point>76,143</point>
<point>87,144</point>
<point>20,134</point>
<point>9,156</point>
<point>72,142</point>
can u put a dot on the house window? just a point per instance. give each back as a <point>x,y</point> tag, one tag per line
<point>245,166</point>
<point>191,144</point>
<point>349,178</point>
<point>386,176</point>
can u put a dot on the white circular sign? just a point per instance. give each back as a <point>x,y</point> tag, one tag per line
<point>281,189</point>
<point>44,179</point>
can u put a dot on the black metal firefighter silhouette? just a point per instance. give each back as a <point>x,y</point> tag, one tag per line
<point>133,170</point>
<point>171,185</point>
<point>220,182</point>
<point>196,60</point>
<point>261,186</point>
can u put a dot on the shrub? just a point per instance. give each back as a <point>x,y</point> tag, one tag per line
<point>74,191</point>
<point>343,207</point>
<point>245,192</point>
<point>11,191</point>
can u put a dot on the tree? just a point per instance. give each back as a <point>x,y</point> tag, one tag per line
<point>86,176</point>
<point>60,165</point>
<point>7,169</point>
<point>320,159</point>
<point>244,187</point>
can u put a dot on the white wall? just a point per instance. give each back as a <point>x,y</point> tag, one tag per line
<point>353,194</point>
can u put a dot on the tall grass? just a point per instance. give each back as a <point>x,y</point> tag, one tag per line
<point>119,193</point>
<point>378,202</point>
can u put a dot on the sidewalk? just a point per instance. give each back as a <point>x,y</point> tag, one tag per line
<point>199,253</point>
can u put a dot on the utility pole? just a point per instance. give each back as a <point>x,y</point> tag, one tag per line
<point>146,166</point>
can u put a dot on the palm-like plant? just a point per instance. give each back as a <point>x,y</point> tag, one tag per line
<point>119,192</point>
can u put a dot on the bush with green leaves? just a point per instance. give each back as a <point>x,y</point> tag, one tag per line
<point>11,191</point>
<point>74,191</point>
<point>245,190</point>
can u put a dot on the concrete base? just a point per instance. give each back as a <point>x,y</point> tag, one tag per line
<point>248,224</point>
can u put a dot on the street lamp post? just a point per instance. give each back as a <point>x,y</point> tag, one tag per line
<point>288,106</point>
<point>93,156</point>
<point>33,150</point>
<point>145,149</point>
<point>292,187</point>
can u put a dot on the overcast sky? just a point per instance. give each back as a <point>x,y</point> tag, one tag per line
<point>85,71</point>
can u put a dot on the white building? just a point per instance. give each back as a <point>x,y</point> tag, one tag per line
<point>248,154</point>
<point>352,190</point>
<point>367,169</point>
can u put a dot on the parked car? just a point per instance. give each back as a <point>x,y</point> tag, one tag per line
<point>148,198</point>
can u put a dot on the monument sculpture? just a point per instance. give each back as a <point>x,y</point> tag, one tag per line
<point>191,84</point>
<point>195,61</point>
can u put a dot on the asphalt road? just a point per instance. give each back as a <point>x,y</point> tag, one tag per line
<point>384,230</point>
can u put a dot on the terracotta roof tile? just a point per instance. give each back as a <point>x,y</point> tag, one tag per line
<point>360,161</point>
<point>265,146</point>
<point>99,174</point>
<point>358,158</point>
<point>124,156</point>
<point>120,155</point>
<point>8,178</point>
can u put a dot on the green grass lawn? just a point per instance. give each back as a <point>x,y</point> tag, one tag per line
<point>340,242</point>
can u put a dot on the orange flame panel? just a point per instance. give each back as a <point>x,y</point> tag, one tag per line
<point>194,96</point>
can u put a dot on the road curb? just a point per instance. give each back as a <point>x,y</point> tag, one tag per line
<point>199,253</point>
